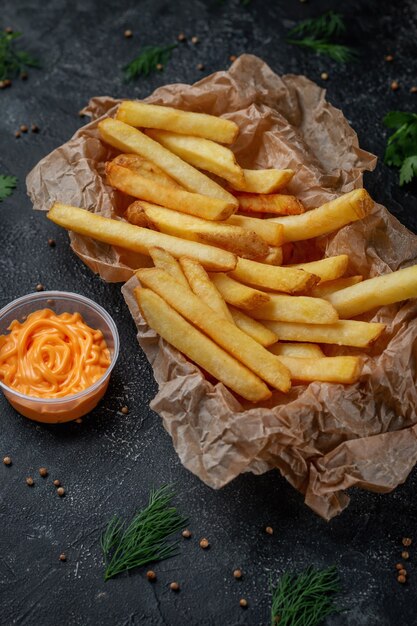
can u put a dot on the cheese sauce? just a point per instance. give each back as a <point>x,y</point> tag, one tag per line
<point>52,356</point>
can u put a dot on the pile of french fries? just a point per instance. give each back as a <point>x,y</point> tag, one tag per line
<point>220,290</point>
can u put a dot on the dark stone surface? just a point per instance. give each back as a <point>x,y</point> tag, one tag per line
<point>110,461</point>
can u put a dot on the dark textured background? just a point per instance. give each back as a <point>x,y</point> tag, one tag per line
<point>110,461</point>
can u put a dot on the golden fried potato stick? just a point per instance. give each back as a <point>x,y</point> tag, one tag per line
<point>165,261</point>
<point>202,153</point>
<point>325,289</point>
<point>265,229</point>
<point>330,268</point>
<point>298,309</point>
<point>129,139</point>
<point>203,287</point>
<point>274,257</point>
<point>233,238</point>
<point>118,233</point>
<point>375,292</point>
<point>278,203</point>
<point>224,333</point>
<point>253,328</point>
<point>331,216</point>
<point>139,165</point>
<point>301,350</point>
<point>133,184</point>
<point>341,333</point>
<point>334,369</point>
<point>265,181</point>
<point>274,278</point>
<point>237,294</point>
<point>145,115</point>
<point>196,346</point>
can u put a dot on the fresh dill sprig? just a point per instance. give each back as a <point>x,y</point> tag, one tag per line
<point>401,150</point>
<point>13,62</point>
<point>149,60</point>
<point>145,538</point>
<point>7,184</point>
<point>318,33</point>
<point>304,599</point>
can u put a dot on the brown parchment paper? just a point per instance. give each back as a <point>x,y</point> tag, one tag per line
<point>324,438</point>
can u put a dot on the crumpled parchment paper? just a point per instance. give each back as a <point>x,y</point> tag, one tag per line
<point>322,437</point>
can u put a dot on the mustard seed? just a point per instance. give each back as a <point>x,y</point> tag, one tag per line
<point>7,460</point>
<point>60,491</point>
<point>204,544</point>
<point>407,541</point>
<point>181,37</point>
<point>174,586</point>
<point>399,566</point>
<point>24,128</point>
<point>237,573</point>
<point>395,85</point>
<point>200,66</point>
<point>401,579</point>
<point>389,58</point>
<point>159,67</point>
<point>57,483</point>
<point>128,34</point>
<point>403,572</point>
<point>243,603</point>
<point>17,134</point>
<point>62,557</point>
<point>29,481</point>
<point>124,410</point>
<point>34,128</point>
<point>40,287</point>
<point>413,89</point>
<point>269,530</point>
<point>405,555</point>
<point>43,472</point>
<point>194,40</point>
<point>186,533</point>
<point>150,575</point>
<point>324,76</point>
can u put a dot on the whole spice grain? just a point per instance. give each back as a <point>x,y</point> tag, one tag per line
<point>78,420</point>
<point>62,557</point>
<point>40,287</point>
<point>401,579</point>
<point>243,603</point>
<point>324,76</point>
<point>195,39</point>
<point>51,243</point>
<point>43,472</point>
<point>389,58</point>
<point>57,483</point>
<point>395,85</point>
<point>413,89</point>
<point>406,541</point>
<point>181,37</point>
<point>174,586</point>
<point>150,575</point>
<point>237,573</point>
<point>204,543</point>
<point>124,410</point>
<point>405,555</point>
<point>24,128</point>
<point>128,33</point>
<point>269,530</point>
<point>34,128</point>
<point>403,572</point>
<point>7,460</point>
<point>17,134</point>
<point>186,533</point>
<point>159,67</point>
<point>200,66</point>
<point>399,566</point>
<point>60,491</point>
<point>29,481</point>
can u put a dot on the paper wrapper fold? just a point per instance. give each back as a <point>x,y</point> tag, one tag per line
<point>324,438</point>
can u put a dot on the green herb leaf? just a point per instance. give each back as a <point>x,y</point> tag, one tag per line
<point>401,150</point>
<point>337,52</point>
<point>13,62</point>
<point>145,538</point>
<point>395,119</point>
<point>304,599</point>
<point>147,61</point>
<point>408,169</point>
<point>328,25</point>
<point>7,184</point>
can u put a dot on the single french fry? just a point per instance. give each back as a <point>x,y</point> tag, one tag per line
<point>274,278</point>
<point>240,296</point>
<point>164,320</point>
<point>274,256</point>
<point>375,292</point>
<point>278,203</point>
<point>266,230</point>
<point>233,238</point>
<point>300,350</point>
<point>331,216</point>
<point>325,289</point>
<point>298,309</point>
<point>203,287</point>
<point>138,186</point>
<point>165,261</point>
<point>253,328</point>
<point>129,139</point>
<point>334,369</point>
<point>118,233</point>
<point>264,181</point>
<point>145,168</point>
<point>224,333</point>
<point>202,153</point>
<point>342,333</point>
<point>134,214</point>
<point>329,268</point>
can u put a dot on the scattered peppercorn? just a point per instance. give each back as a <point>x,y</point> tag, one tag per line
<point>237,573</point>
<point>403,572</point>
<point>60,491</point>
<point>79,420</point>
<point>243,603</point>
<point>200,66</point>
<point>232,57</point>
<point>5,83</point>
<point>174,586</point>
<point>401,579</point>
<point>7,460</point>
<point>30,482</point>
<point>51,243</point>
<point>128,33</point>
<point>62,557</point>
<point>413,89</point>
<point>150,575</point>
<point>43,472</point>
<point>405,555</point>
<point>194,40</point>
<point>395,85</point>
<point>124,410</point>
<point>399,566</point>
<point>407,541</point>
<point>159,67</point>
<point>324,76</point>
<point>34,128</point>
<point>17,134</point>
<point>269,530</point>
<point>40,287</point>
<point>204,544</point>
<point>57,483</point>
<point>24,128</point>
<point>389,58</point>
<point>181,37</point>
<point>186,533</point>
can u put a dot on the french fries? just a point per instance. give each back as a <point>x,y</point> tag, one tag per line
<point>138,186</point>
<point>336,369</point>
<point>138,239</point>
<point>342,333</point>
<point>374,292</point>
<point>233,238</point>
<point>196,346</point>
<point>274,278</point>
<point>265,181</point>
<point>203,154</point>
<point>298,309</point>
<point>278,203</point>
<point>265,229</point>
<point>129,139</point>
<point>225,334</point>
<point>330,268</point>
<point>253,328</point>
<point>301,350</point>
<point>145,168</point>
<point>167,262</point>
<point>324,289</point>
<point>146,115</point>
<point>331,216</point>
<point>274,256</point>
<point>204,288</point>
<point>240,296</point>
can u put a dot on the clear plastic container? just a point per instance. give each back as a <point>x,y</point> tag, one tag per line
<point>58,410</point>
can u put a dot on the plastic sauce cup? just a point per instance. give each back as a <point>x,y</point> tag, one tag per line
<point>58,410</point>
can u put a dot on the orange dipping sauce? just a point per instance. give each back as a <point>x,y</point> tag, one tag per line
<point>52,356</point>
